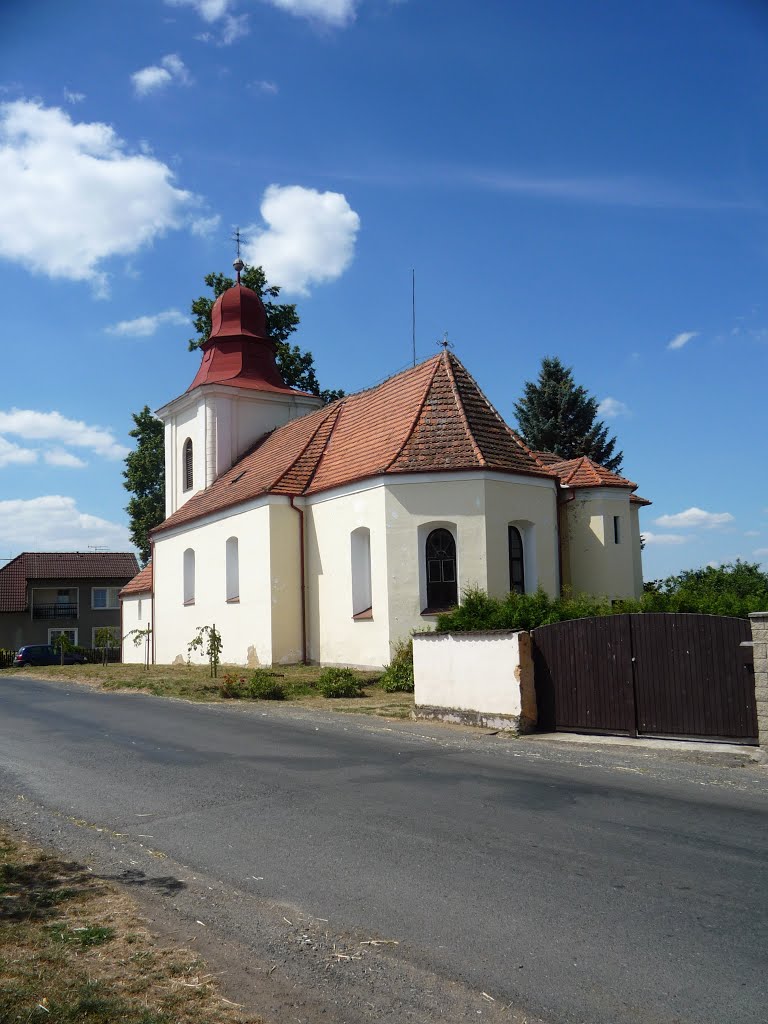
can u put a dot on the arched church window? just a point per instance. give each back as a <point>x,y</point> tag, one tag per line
<point>440,553</point>
<point>516,561</point>
<point>362,601</point>
<point>233,569</point>
<point>188,465</point>
<point>189,576</point>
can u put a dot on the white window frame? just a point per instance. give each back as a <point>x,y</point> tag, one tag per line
<point>360,564</point>
<point>115,630</point>
<point>113,591</point>
<point>54,632</point>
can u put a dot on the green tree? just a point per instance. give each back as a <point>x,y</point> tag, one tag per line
<point>736,588</point>
<point>144,477</point>
<point>297,367</point>
<point>557,415</point>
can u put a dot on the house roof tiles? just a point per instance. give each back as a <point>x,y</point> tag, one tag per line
<point>432,417</point>
<point>60,565</point>
<point>140,584</point>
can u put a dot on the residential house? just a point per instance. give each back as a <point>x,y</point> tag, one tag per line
<point>43,594</point>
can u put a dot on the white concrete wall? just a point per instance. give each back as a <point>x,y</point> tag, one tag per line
<point>137,614</point>
<point>596,564</point>
<point>488,675</point>
<point>245,625</point>
<point>531,506</point>
<point>335,637</point>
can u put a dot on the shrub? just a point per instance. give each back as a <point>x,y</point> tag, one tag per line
<point>262,685</point>
<point>398,675</point>
<point>339,682</point>
<point>232,686</point>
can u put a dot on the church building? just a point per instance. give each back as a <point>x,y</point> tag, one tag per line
<point>328,533</point>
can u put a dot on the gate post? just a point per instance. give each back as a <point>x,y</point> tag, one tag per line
<point>759,623</point>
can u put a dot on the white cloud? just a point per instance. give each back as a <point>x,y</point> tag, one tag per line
<point>13,454</point>
<point>54,523</point>
<point>611,408</point>
<point>204,226</point>
<point>73,97</point>
<point>760,552</point>
<point>52,426</point>
<point>146,326</point>
<point>232,27</point>
<point>751,533</point>
<point>270,88</point>
<point>170,69</point>
<point>64,459</point>
<point>333,12</point>
<point>695,517</point>
<point>682,339</point>
<point>310,237</point>
<point>664,538</point>
<point>71,196</point>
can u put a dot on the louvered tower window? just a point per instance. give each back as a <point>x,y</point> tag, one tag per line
<point>188,465</point>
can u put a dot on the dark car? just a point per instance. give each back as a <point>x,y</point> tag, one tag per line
<point>44,654</point>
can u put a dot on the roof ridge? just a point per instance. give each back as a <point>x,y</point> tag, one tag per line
<point>512,433</point>
<point>417,415</point>
<point>460,404</point>
<point>333,410</point>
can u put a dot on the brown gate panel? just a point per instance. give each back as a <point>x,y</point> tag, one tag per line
<point>583,672</point>
<point>689,677</point>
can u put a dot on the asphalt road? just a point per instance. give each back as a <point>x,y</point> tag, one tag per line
<point>572,886</point>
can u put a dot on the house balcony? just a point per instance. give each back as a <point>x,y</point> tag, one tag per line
<point>58,610</point>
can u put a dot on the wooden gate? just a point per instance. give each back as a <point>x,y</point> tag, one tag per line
<point>655,674</point>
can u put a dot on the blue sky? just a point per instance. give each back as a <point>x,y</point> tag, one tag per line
<point>582,180</point>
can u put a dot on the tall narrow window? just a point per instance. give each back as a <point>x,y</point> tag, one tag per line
<point>440,553</point>
<point>188,465</point>
<point>233,569</point>
<point>189,576</point>
<point>362,602</point>
<point>516,561</point>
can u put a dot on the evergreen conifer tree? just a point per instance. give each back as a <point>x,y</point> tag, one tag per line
<point>557,415</point>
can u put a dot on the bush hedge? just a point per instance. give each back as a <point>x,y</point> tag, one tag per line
<point>339,682</point>
<point>398,675</point>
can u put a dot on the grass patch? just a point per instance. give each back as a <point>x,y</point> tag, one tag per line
<point>299,684</point>
<point>72,950</point>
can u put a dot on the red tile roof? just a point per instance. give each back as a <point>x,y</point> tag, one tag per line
<point>60,565</point>
<point>583,472</point>
<point>141,584</point>
<point>635,499</point>
<point>430,418</point>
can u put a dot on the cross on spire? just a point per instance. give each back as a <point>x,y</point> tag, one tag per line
<point>238,264</point>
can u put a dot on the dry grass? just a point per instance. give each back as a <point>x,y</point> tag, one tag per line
<point>73,949</point>
<point>193,682</point>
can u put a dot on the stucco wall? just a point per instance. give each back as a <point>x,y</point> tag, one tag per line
<point>285,581</point>
<point>530,505</point>
<point>488,675</point>
<point>245,626</point>
<point>335,637</point>
<point>137,614</point>
<point>19,628</point>
<point>596,564</point>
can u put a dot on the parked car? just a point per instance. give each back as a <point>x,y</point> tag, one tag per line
<point>44,654</point>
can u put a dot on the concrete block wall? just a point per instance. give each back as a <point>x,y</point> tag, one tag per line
<point>759,623</point>
<point>475,679</point>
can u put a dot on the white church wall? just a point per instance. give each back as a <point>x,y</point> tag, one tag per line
<point>335,636</point>
<point>600,564</point>
<point>531,506</point>
<point>136,614</point>
<point>245,624</point>
<point>414,506</point>
<point>637,552</point>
